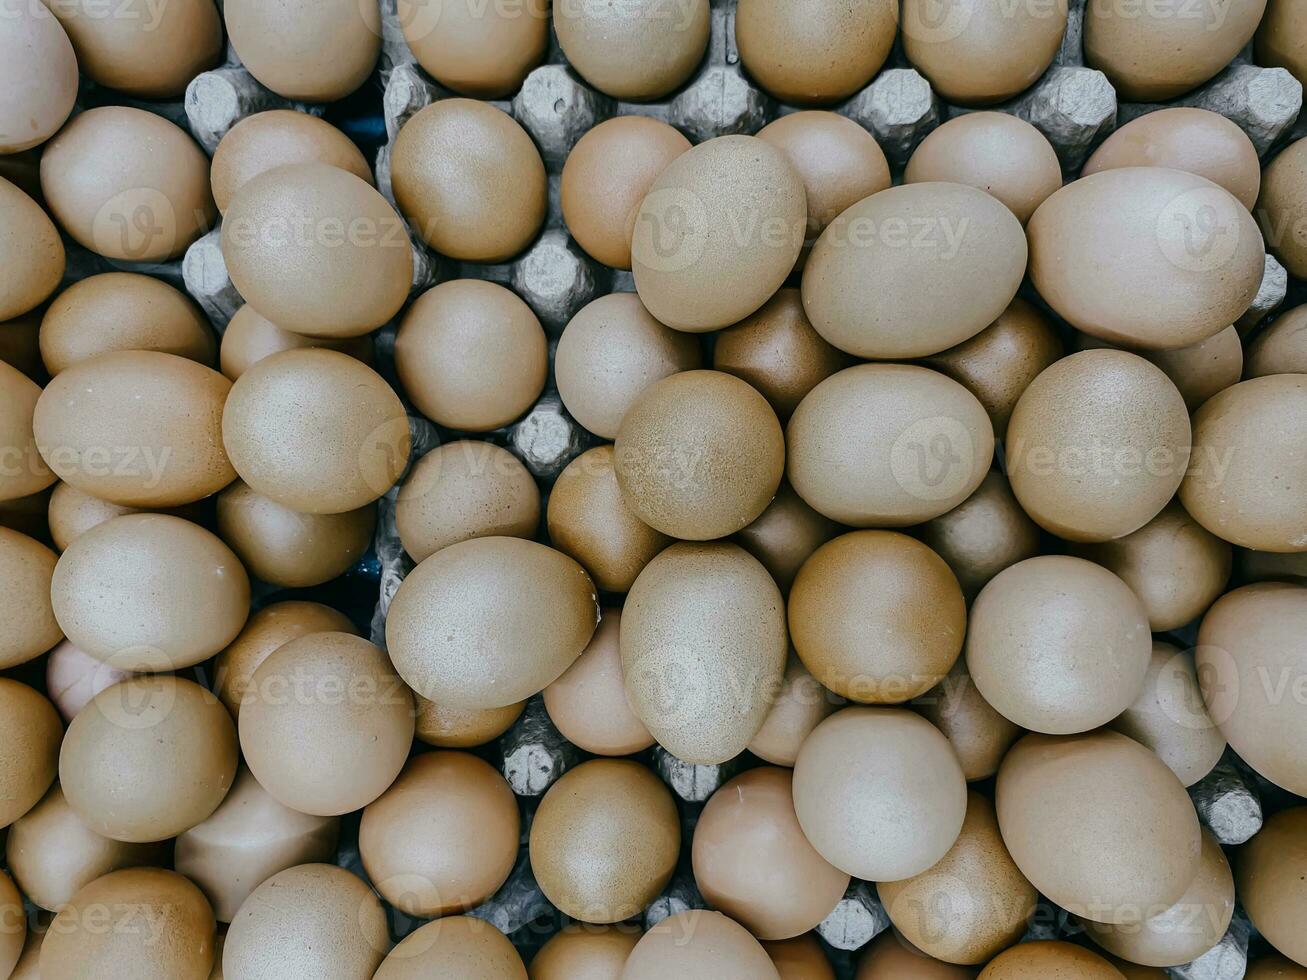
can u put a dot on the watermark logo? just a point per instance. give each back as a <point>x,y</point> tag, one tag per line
<point>135,224</point>
<point>1199,230</point>
<point>933,458</point>
<point>671,230</point>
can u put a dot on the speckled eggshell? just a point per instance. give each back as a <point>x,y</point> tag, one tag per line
<point>892,958</point>
<point>698,943</point>
<point>480,51</point>
<point>31,253</point>
<point>585,953</point>
<point>636,51</point>
<point>250,337</point>
<point>460,728</point>
<point>1281,347</point>
<point>454,948</point>
<point>801,958</point>
<point>980,736</point>
<point>27,472</point>
<point>30,733</point>
<point>1269,873</point>
<point>26,567</point>
<point>785,534</point>
<point>72,512</point>
<point>1282,207</point>
<point>801,705</point>
<point>38,77</point>
<point>1049,960</point>
<point>1198,371</point>
<point>1281,40</point>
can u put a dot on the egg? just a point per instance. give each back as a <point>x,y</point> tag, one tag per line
<point>1269,873</point>
<point>72,512</point>
<point>801,958</point>
<point>1133,971</point>
<point>25,472</point>
<point>1246,479</point>
<point>26,567</point>
<point>471,355</point>
<point>1267,566</point>
<point>801,705</point>
<point>1282,207</point>
<point>326,725</point>
<point>28,965</point>
<point>314,919</point>
<point>316,430</point>
<point>1281,347</point>
<point>459,800</point>
<point>306,50</point>
<point>703,644</point>
<point>585,953</point>
<point>879,793</point>
<point>149,592</point>
<point>637,51</point>
<point>785,534</point>
<point>39,78</point>
<point>976,54</point>
<point>448,949</point>
<point>250,337</point>
<point>13,934</point>
<point>469,180</point>
<point>1058,644</point>
<point>459,728</point>
<point>248,839</point>
<point>1174,257</point>
<point>814,53</point>
<point>606,176</point>
<point>881,584</point>
<point>1097,445</point>
<point>732,209</point>
<point>589,704</point>
<point>605,840</point>
<point>317,250</point>
<point>30,733</point>
<point>1279,39</point>
<point>1049,960</point>
<point>1270,967</point>
<point>138,922</point>
<point>145,52</point>
<point>1198,141</point>
<point>1152,54</point>
<point>888,445</point>
<point>914,270</point>
<point>475,50</point>
<point>891,958</point>
<point>489,622</point>
<point>997,153</point>
<point>610,352</point>
<point>31,253</point>
<point>1198,371</point>
<point>752,862</point>
<point>980,736</point>
<point>1250,654</point>
<point>20,345</point>
<point>1138,839</point>
<point>698,943</point>
<point>73,677</point>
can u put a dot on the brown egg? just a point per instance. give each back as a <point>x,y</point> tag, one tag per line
<point>32,253</point>
<point>1282,207</point>
<point>1268,967</point>
<point>476,50</point>
<point>72,512</point>
<point>892,958</point>
<point>1097,445</point>
<point>888,445</point>
<point>265,632</point>
<point>801,705</point>
<point>699,455</point>
<point>1251,654</point>
<point>469,180</point>
<point>604,841</point>
<point>1049,960</point>
<point>134,923</point>
<point>703,649</point>
<point>326,725</point>
<point>29,748</point>
<point>1246,481</point>
<point>150,592</point>
<point>879,793</point>
<point>914,270</point>
<point>309,50</point>
<point>785,534</point>
<point>317,250</point>
<point>38,77</point>
<point>247,840</point>
<point>1280,40</point>
<point>877,584</point>
<point>699,944</point>
<point>454,949</point>
<point>609,353</point>
<point>316,430</point>
<point>1268,566</point>
<point>312,920</point>
<point>73,677</point>
<point>1133,971</point>
<point>1174,258</point>
<point>980,736</point>
<point>28,965</point>
<point>1269,873</point>
<point>13,932</point>
<point>20,345</point>
<point>1137,837</point>
<point>801,958</point>
<point>25,471</point>
<point>752,861</point>
<point>732,209</point>
<point>1155,53</point>
<point>460,801</point>
<point>250,337</point>
<point>993,152</point>
<point>26,567</point>
<point>970,906</point>
<point>1198,371</point>
<point>814,53</point>
<point>589,703</point>
<point>1058,644</point>
<point>974,53</point>
<point>489,622</point>
<point>634,52</point>
<point>471,355</point>
<point>585,953</point>
<point>1280,348</point>
<point>606,176</point>
<point>458,728</point>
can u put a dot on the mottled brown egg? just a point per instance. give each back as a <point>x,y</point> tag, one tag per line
<point>148,758</point>
<point>801,958</point>
<point>469,180</point>
<point>26,567</point>
<point>326,725</point>
<point>879,793</point>
<point>489,622</point>
<point>1138,838</point>
<point>248,839</point>
<point>703,649</point>
<point>26,471</point>
<point>1172,257</point>
<point>914,270</point>
<point>30,733</point>
<point>1280,348</point>
<point>1198,371</point>
<point>732,209</point>
<point>1247,477</point>
<point>453,949</point>
<point>1058,644</point>
<point>785,534</point>
<point>38,76</point>
<point>585,953</point>
<point>20,345</point>
<point>1268,967</point>
<point>606,176</point>
<point>1269,874</point>
<point>459,728</point>
<point>888,445</point>
<point>698,943</point>
<point>250,337</point>
<point>73,677</point>
<point>636,51</point>
<point>460,801</point>
<point>801,705</point>
<point>1281,40</point>
<point>31,253</point>
<point>477,50</point>
<point>1049,960</point>
<point>471,355</point>
<point>1282,207</point>
<point>604,841</point>
<point>980,736</point>
<point>316,430</point>
<point>892,958</point>
<point>589,703</point>
<point>317,250</point>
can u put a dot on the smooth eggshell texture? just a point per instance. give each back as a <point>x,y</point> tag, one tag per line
<point>879,793</point>
<point>785,534</point>
<point>1269,873</point>
<point>1200,370</point>
<point>14,933</point>
<point>31,253</point>
<point>452,949</point>
<point>26,567</point>
<point>703,649</point>
<point>30,733</point>
<point>250,337</point>
<point>1282,207</point>
<point>39,78</point>
<point>27,472</point>
<point>699,944</point>
<point>801,705</point>
<point>1049,960</point>
<point>1280,348</point>
<point>801,958</point>
<point>585,953</point>
<point>635,52</point>
<point>309,50</point>
<point>459,728</point>
<point>980,736</point>
<point>1281,40</point>
<point>479,51</point>
<point>73,677</point>
<point>892,958</point>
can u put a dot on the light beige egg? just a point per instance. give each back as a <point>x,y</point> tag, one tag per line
<point>26,567</point>
<point>1269,872</point>
<point>699,943</point>
<point>26,472</point>
<point>638,51</point>
<point>460,728</point>
<point>585,953</point>
<point>1282,207</point>
<point>250,337</point>
<point>1281,39</point>
<point>39,78</point>
<point>801,705</point>
<point>480,51</point>
<point>452,949</point>
<point>29,748</point>
<point>73,677</point>
<point>980,736</point>
<point>72,512</point>
<point>31,253</point>
<point>1049,960</point>
<point>1281,347</point>
<point>785,534</point>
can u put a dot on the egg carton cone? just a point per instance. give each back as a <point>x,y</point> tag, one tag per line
<point>856,920</point>
<point>1227,960</point>
<point>535,754</point>
<point>692,782</point>
<point>519,901</point>
<point>217,100</point>
<point>1228,803</point>
<point>1270,296</point>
